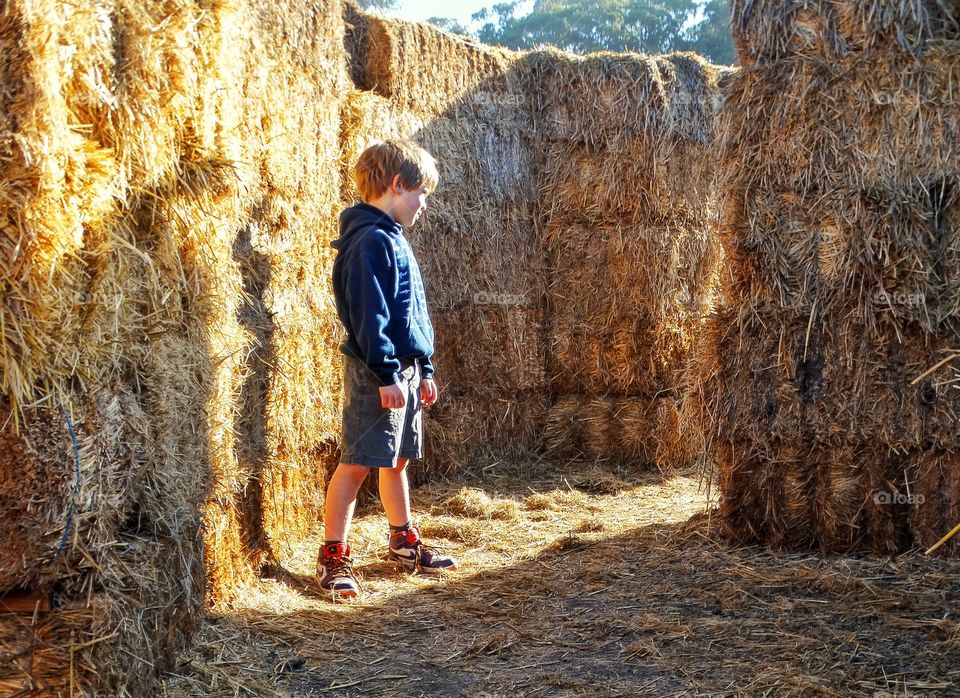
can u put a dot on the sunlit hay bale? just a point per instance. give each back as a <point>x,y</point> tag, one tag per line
<point>771,29</point>
<point>420,68</point>
<point>839,502</point>
<point>290,235</point>
<point>477,504</point>
<point>132,181</point>
<point>56,182</point>
<point>467,427</point>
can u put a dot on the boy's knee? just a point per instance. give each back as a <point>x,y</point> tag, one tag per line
<point>356,473</point>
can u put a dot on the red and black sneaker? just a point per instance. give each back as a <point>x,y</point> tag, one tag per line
<point>409,552</point>
<point>335,571</point>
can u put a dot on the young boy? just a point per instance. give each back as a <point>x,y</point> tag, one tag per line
<point>388,374</point>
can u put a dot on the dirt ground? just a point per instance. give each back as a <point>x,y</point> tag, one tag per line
<point>577,580</point>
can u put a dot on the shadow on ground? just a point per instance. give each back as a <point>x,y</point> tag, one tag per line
<point>662,609</point>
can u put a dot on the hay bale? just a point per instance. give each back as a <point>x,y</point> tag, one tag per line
<point>624,430</point>
<point>418,67</point>
<point>627,222</point>
<point>933,498</point>
<point>837,308</point>
<point>596,99</point>
<point>162,248</point>
<point>827,381</point>
<point>464,428</point>
<point>744,495</point>
<point>292,219</point>
<point>32,656</point>
<point>769,30</point>
<point>622,321</point>
<point>490,348</point>
<point>892,122</point>
<point>832,497</point>
<point>477,244</point>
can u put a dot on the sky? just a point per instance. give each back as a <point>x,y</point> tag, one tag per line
<point>421,10</point>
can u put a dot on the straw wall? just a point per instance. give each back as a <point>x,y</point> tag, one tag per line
<point>477,244</point>
<point>163,260</point>
<point>626,219</point>
<point>831,358</point>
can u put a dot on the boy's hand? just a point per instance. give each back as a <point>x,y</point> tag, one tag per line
<point>428,392</point>
<point>392,397</point>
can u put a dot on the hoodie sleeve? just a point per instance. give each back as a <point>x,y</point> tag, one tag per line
<point>426,367</point>
<point>371,286</point>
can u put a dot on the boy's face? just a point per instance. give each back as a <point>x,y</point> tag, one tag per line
<point>410,204</point>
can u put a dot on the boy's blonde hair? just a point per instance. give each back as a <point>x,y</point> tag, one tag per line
<point>383,161</point>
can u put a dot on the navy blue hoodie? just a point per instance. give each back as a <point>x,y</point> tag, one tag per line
<point>379,294</point>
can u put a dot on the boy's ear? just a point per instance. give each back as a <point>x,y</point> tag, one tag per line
<point>395,186</point>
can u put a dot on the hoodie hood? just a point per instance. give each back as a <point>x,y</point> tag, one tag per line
<point>361,217</point>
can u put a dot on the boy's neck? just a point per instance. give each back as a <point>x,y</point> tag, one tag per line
<point>386,202</point>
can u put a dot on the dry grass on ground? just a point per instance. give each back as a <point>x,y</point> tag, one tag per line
<point>580,581</point>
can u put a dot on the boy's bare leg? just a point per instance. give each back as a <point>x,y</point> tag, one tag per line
<point>395,493</point>
<point>341,499</point>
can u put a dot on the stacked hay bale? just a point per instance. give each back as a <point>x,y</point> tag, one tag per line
<point>147,205</point>
<point>285,108</point>
<point>828,374</point>
<point>626,211</point>
<point>483,265</point>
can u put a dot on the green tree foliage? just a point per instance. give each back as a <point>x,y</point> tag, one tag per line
<point>450,25</point>
<point>710,36</point>
<point>583,26</point>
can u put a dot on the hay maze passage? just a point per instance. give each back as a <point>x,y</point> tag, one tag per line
<point>640,264</point>
<point>584,581</point>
